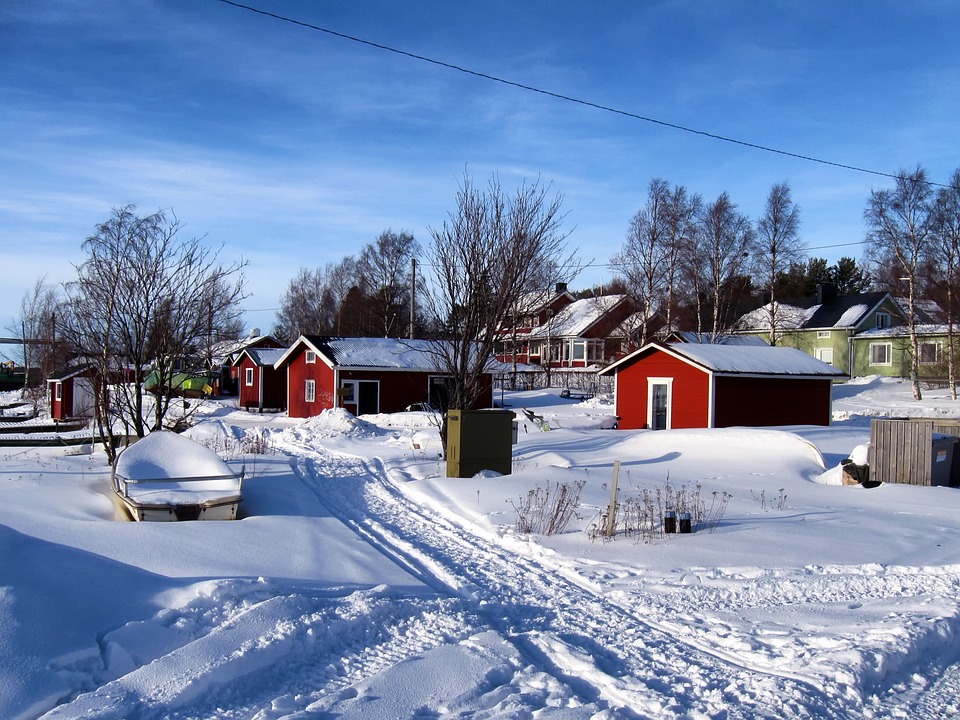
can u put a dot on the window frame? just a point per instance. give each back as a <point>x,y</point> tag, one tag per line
<point>888,352</point>
<point>310,391</point>
<point>937,352</point>
<point>248,377</point>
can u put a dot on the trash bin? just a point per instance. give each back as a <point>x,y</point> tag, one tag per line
<point>941,460</point>
<point>479,440</point>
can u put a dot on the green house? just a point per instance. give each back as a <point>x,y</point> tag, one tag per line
<point>887,351</point>
<point>827,325</point>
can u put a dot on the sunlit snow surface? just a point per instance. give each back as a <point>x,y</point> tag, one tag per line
<point>361,582</point>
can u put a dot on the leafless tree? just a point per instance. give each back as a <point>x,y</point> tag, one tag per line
<point>140,301</point>
<point>491,250</point>
<point>777,245</point>
<point>385,267</point>
<point>717,259</point>
<point>644,260</point>
<point>305,308</point>
<point>899,236</point>
<point>43,351</point>
<point>946,233</point>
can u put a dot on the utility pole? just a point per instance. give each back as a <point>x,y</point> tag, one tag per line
<point>413,295</point>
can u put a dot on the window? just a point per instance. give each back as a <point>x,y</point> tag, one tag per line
<point>823,334</point>
<point>880,354</point>
<point>883,320</point>
<point>825,355</point>
<point>579,350</point>
<point>310,357</point>
<point>310,391</point>
<point>248,377</point>
<point>59,391</point>
<point>929,353</point>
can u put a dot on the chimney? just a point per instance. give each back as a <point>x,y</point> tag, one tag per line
<point>561,287</point>
<point>826,292</point>
<point>255,332</point>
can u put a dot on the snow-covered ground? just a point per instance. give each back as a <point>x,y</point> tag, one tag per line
<point>362,582</point>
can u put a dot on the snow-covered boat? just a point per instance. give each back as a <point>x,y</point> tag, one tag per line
<point>168,477</point>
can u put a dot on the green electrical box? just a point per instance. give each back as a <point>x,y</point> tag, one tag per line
<point>479,440</point>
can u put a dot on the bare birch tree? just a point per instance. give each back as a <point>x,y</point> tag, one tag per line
<point>491,250</point>
<point>899,238</point>
<point>719,254</point>
<point>644,260</point>
<point>946,231</point>
<point>777,245</point>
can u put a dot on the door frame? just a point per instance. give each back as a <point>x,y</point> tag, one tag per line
<point>665,381</point>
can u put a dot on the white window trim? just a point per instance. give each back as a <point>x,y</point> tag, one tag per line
<point>59,391</point>
<point>248,377</point>
<point>884,319</point>
<point>310,391</point>
<point>310,357</point>
<point>823,334</point>
<point>889,347</point>
<point>821,351</point>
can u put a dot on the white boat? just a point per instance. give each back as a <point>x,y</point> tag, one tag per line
<point>168,477</point>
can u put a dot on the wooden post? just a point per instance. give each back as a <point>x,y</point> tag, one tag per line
<point>612,512</point>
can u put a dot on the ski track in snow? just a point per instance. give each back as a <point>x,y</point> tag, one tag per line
<point>608,654</point>
<point>265,650</point>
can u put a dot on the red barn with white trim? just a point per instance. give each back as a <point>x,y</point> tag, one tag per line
<point>687,385</point>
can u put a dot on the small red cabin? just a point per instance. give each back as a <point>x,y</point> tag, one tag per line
<point>261,386</point>
<point>367,375</point>
<point>71,393</point>
<point>689,385</point>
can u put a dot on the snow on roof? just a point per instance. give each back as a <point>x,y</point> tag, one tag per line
<point>750,359</point>
<point>899,331</point>
<point>381,353</point>
<point>740,359</point>
<point>851,316</point>
<point>789,317</point>
<point>709,339</point>
<point>265,356</point>
<point>574,319</point>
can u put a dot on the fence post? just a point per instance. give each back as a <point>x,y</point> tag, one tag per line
<point>612,512</point>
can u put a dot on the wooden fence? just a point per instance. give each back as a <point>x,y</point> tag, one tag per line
<point>910,451</point>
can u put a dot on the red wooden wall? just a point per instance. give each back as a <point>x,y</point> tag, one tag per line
<point>762,402</point>
<point>690,391</point>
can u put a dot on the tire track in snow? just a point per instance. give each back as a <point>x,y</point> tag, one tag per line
<point>606,653</point>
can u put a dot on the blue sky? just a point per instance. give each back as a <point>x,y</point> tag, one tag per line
<point>293,148</point>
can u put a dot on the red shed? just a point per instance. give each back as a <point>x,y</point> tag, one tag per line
<point>261,385</point>
<point>704,386</point>
<point>71,393</point>
<point>366,375</point>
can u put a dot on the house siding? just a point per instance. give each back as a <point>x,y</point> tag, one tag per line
<point>298,372</point>
<point>271,380</point>
<point>397,388</point>
<point>760,402</point>
<point>691,389</point>
<point>58,408</point>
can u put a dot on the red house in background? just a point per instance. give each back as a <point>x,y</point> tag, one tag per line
<point>705,386</point>
<point>366,375</point>
<point>71,393</point>
<point>260,384</point>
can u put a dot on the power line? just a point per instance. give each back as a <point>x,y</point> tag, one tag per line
<point>561,96</point>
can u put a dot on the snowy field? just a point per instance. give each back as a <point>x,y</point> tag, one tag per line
<point>363,583</point>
